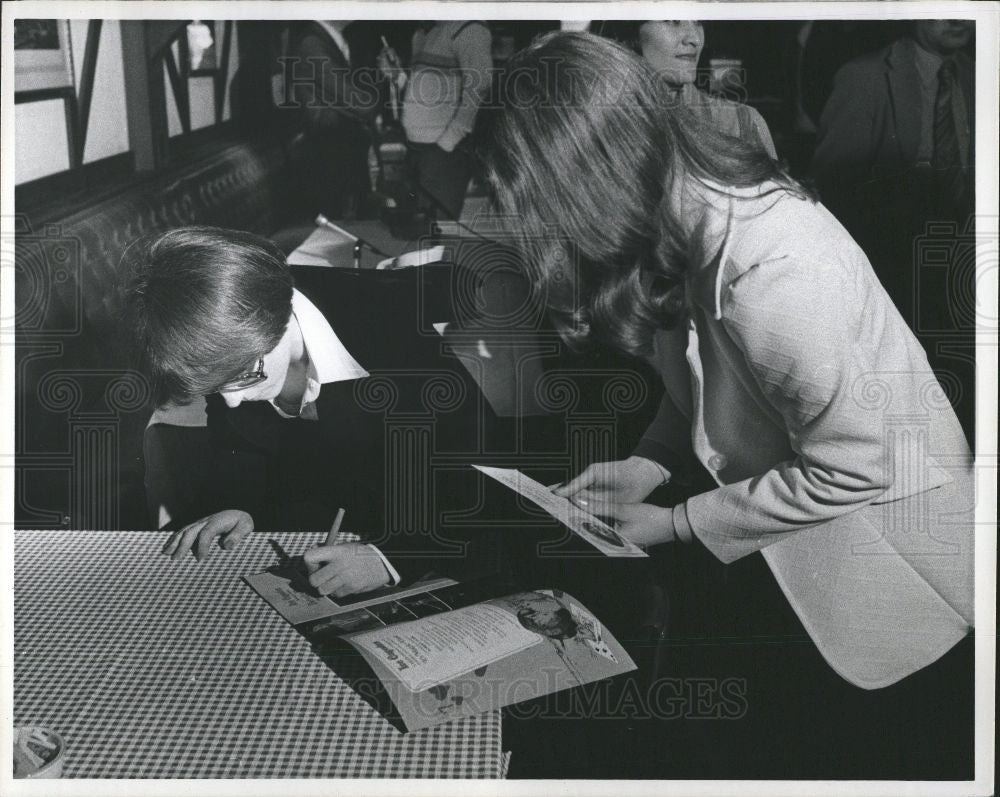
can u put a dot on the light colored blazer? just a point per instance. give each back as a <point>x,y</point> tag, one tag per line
<point>797,384</point>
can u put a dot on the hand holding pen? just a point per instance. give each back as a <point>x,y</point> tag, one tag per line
<point>344,568</point>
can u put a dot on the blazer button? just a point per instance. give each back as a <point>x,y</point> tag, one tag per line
<point>717,462</point>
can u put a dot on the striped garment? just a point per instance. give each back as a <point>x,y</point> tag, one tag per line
<point>449,76</point>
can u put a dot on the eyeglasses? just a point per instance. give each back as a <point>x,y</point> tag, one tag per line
<point>245,380</point>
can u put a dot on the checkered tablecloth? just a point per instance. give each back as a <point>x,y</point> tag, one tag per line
<point>150,668</point>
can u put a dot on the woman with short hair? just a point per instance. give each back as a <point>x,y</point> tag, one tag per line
<point>673,48</point>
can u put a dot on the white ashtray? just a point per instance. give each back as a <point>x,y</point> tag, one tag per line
<point>38,752</point>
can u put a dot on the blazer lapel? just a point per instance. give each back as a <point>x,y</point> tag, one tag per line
<point>905,99</point>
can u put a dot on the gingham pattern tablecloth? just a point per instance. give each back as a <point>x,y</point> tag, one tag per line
<point>150,668</point>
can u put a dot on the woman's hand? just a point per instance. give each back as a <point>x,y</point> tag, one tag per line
<point>642,524</point>
<point>233,524</point>
<point>345,569</point>
<point>626,481</point>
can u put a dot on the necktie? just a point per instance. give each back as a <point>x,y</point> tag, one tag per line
<point>947,160</point>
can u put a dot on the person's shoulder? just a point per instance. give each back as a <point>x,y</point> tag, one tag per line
<point>746,115</point>
<point>779,224</point>
<point>725,109</point>
<point>721,112</point>
<point>311,39</point>
<point>754,116</point>
<point>309,31</point>
<point>864,66</point>
<point>716,105</point>
<point>473,29</point>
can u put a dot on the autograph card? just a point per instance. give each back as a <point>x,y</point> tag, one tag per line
<point>592,529</point>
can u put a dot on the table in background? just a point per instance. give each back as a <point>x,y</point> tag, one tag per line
<point>150,668</point>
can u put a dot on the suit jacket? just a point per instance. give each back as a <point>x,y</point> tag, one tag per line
<point>796,383</point>
<point>387,447</point>
<point>334,94</point>
<point>338,102</point>
<point>870,132</point>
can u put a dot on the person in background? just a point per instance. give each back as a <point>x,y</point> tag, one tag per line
<point>903,117</point>
<point>789,377</point>
<point>673,48</point>
<point>894,153</point>
<point>449,76</point>
<point>326,80</point>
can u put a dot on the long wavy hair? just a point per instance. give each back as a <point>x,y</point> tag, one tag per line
<point>581,155</point>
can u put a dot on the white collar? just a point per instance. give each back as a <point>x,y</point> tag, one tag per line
<point>329,360</point>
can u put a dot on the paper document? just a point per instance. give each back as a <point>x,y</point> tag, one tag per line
<point>427,652</point>
<point>442,650</point>
<point>325,247</point>
<point>420,257</point>
<point>592,529</point>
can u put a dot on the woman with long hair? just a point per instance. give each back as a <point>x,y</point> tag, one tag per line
<point>789,376</point>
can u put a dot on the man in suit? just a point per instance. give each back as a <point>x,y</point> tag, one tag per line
<point>895,152</point>
<point>329,78</point>
<point>903,117</point>
<point>325,388</point>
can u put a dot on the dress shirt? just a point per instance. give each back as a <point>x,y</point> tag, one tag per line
<point>329,360</point>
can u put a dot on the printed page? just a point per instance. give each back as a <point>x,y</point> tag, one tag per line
<point>551,641</point>
<point>430,651</point>
<point>592,529</point>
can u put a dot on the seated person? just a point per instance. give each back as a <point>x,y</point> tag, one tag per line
<point>308,388</point>
<point>673,48</point>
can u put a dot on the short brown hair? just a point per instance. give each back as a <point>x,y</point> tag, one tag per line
<point>200,304</point>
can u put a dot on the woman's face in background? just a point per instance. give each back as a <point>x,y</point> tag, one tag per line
<point>673,48</point>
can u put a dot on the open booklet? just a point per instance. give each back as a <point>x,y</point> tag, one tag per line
<point>444,650</point>
<point>591,528</point>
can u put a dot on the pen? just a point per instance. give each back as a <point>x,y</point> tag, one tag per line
<point>331,538</point>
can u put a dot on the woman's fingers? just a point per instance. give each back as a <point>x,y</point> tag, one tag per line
<point>587,477</point>
<point>601,508</point>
